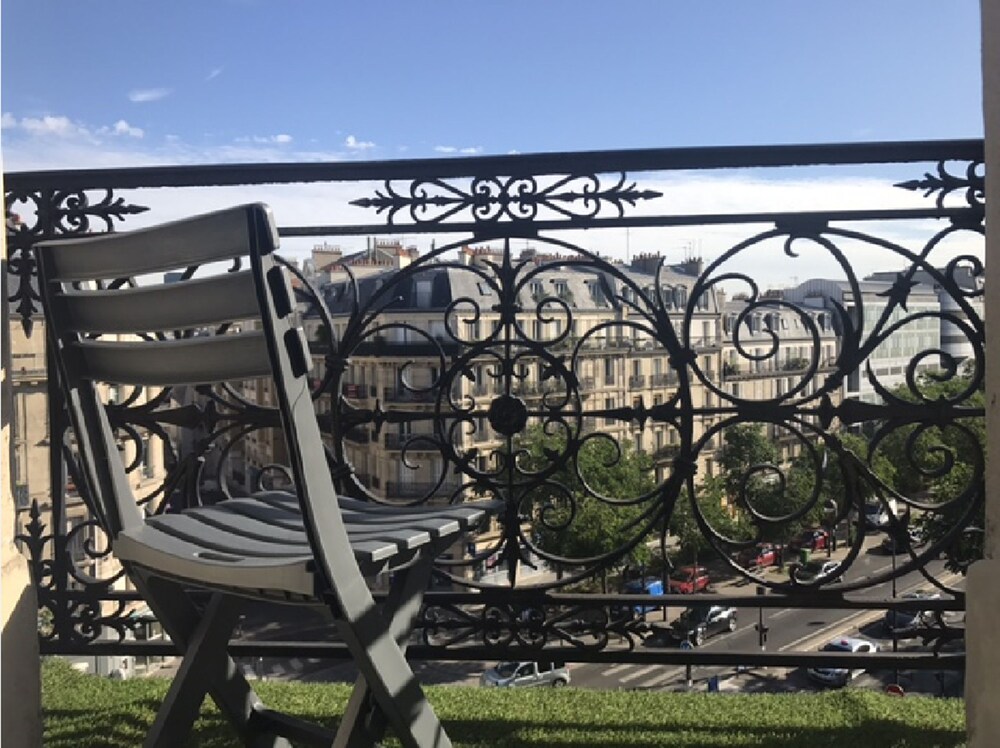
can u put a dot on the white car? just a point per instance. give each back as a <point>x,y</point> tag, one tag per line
<point>814,570</point>
<point>840,676</point>
<point>525,674</point>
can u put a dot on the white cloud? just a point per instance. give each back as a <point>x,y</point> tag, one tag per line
<point>466,151</point>
<point>279,139</point>
<point>213,74</point>
<point>121,127</point>
<point>358,145</point>
<point>51,125</point>
<point>8,121</point>
<point>143,95</point>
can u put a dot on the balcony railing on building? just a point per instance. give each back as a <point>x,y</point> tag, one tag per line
<point>473,299</point>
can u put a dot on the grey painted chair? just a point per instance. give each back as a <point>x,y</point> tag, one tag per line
<point>309,547</point>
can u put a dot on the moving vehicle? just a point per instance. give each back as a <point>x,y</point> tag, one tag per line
<point>840,676</point>
<point>812,571</point>
<point>759,556</point>
<point>905,623</point>
<point>526,675</point>
<point>688,579</point>
<point>877,514</point>
<point>639,587</point>
<point>699,622</point>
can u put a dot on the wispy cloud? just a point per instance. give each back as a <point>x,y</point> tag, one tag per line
<point>466,151</point>
<point>121,127</point>
<point>47,125</point>
<point>279,139</point>
<point>358,145</point>
<point>213,74</point>
<point>144,95</point>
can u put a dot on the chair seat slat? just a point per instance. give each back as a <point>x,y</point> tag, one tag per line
<point>468,515</point>
<point>412,533</point>
<point>149,547</point>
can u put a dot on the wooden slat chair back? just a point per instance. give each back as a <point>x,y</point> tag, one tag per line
<point>308,546</point>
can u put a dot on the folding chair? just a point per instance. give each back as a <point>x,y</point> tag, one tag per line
<point>303,547</point>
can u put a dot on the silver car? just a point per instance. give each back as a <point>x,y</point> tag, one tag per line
<point>835,676</point>
<point>526,674</point>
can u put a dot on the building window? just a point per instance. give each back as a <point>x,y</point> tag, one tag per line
<point>609,404</point>
<point>147,459</point>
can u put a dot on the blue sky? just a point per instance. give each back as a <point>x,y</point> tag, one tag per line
<point>118,83</point>
<point>225,80</point>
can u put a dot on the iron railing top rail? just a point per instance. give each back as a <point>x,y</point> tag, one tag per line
<point>641,159</point>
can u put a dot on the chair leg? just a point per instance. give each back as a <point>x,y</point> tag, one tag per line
<point>375,702</point>
<point>205,667</point>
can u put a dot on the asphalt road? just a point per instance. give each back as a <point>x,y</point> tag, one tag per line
<point>789,630</point>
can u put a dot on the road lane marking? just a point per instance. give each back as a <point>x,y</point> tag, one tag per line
<point>639,673</point>
<point>614,670</point>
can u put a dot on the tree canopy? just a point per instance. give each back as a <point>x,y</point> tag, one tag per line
<point>568,519</point>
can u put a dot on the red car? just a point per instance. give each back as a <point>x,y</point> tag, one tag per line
<point>814,540</point>
<point>762,554</point>
<point>688,579</point>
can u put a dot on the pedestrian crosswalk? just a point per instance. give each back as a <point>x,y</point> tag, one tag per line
<point>627,675</point>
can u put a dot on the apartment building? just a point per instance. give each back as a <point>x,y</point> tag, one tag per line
<point>31,467</point>
<point>954,341</point>
<point>580,343</point>
<point>868,310</point>
<point>774,352</point>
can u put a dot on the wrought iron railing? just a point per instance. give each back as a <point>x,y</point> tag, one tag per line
<point>930,229</point>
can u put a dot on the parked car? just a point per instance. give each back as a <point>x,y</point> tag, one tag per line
<point>812,571</point>
<point>638,587</point>
<point>876,515</point>
<point>905,623</point>
<point>760,555</point>
<point>699,622</point>
<point>840,676</point>
<point>689,579</point>
<point>525,674</point>
<point>815,539</point>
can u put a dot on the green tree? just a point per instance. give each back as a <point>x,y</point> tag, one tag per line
<point>711,498</point>
<point>744,447</point>
<point>826,466</point>
<point>753,476</point>
<point>574,523</point>
<point>942,464</point>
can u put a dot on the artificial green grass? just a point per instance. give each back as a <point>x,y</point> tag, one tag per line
<point>83,710</point>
